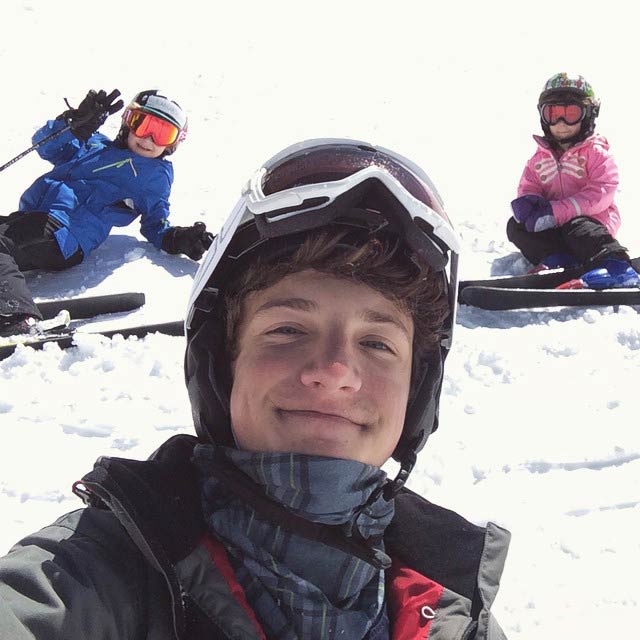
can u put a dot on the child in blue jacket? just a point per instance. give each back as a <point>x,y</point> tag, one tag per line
<point>95,184</point>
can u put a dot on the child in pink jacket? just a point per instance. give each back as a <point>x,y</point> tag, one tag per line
<point>565,213</point>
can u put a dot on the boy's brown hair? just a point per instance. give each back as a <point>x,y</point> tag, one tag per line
<point>379,261</point>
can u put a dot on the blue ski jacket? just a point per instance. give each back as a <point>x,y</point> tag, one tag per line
<point>95,186</point>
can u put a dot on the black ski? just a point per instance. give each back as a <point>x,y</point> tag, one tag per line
<point>502,299</point>
<point>90,306</point>
<point>543,280</point>
<point>65,339</point>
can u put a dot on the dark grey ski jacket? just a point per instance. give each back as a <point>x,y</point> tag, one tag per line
<point>138,564</point>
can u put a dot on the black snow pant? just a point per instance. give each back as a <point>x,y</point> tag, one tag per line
<point>27,242</point>
<point>586,239</point>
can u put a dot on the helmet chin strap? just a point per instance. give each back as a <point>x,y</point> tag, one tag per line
<point>390,489</point>
<point>393,487</point>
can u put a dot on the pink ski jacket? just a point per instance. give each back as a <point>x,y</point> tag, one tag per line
<point>581,182</point>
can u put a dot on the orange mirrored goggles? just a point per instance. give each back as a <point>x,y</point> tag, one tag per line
<point>144,124</point>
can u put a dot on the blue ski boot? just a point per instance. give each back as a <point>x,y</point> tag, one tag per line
<point>613,274</point>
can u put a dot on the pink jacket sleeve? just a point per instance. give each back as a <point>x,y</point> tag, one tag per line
<point>530,182</point>
<point>598,193</point>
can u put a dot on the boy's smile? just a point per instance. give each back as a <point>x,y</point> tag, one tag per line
<point>144,147</point>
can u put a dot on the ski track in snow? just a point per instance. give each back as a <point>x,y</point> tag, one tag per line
<point>539,408</point>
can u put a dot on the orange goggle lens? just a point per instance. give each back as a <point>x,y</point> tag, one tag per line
<point>143,124</point>
<point>570,113</point>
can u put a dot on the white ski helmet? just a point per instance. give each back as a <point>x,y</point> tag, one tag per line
<point>152,102</point>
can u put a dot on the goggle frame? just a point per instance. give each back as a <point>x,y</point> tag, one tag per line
<point>162,132</point>
<point>549,116</point>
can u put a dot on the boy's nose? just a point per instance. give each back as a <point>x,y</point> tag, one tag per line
<point>333,370</point>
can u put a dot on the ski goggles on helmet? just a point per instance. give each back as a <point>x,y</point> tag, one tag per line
<point>142,124</point>
<point>571,113</point>
<point>294,190</point>
<point>317,182</point>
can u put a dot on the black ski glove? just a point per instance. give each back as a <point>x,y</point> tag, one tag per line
<point>94,109</point>
<point>192,241</point>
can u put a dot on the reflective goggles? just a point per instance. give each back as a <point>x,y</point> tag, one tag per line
<point>308,177</point>
<point>571,113</point>
<point>295,190</point>
<point>143,124</point>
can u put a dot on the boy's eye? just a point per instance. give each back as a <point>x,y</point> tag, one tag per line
<point>377,345</point>
<point>285,330</point>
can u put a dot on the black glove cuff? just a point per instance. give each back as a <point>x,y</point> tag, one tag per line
<point>169,241</point>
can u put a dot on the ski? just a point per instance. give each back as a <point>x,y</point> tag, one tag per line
<point>502,299</point>
<point>65,339</point>
<point>90,306</point>
<point>549,279</point>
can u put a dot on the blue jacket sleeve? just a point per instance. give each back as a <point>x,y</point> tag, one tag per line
<point>61,148</point>
<point>154,206</point>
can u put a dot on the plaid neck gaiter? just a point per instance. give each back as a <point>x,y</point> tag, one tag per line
<point>300,588</point>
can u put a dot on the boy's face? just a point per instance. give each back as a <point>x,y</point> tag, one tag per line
<point>323,367</point>
<point>144,147</point>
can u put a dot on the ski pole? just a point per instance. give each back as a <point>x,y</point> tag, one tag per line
<point>55,134</point>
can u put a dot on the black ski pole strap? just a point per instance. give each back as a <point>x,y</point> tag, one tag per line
<point>55,134</point>
<point>332,535</point>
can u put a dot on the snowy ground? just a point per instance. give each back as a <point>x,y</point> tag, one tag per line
<point>540,408</point>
